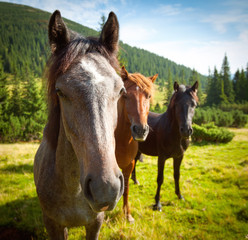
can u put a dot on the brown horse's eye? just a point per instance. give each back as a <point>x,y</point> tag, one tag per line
<point>123,91</point>
<point>59,93</point>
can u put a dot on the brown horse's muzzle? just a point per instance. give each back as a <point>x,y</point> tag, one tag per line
<point>103,192</point>
<point>139,132</point>
<point>186,131</point>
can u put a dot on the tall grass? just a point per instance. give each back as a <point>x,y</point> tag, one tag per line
<point>214,183</point>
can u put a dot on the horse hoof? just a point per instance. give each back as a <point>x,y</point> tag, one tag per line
<point>157,208</point>
<point>136,182</point>
<point>181,198</point>
<point>130,218</point>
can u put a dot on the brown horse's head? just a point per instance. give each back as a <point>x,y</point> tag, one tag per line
<point>137,101</point>
<point>84,89</point>
<point>184,101</point>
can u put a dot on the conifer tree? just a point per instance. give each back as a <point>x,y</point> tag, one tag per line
<point>32,100</point>
<point>236,85</point>
<point>226,76</point>
<point>242,86</point>
<point>215,92</point>
<point>4,92</point>
<point>16,97</point>
<point>102,22</point>
<point>182,77</point>
<point>169,88</point>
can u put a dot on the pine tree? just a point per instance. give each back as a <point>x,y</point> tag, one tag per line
<point>226,76</point>
<point>32,100</point>
<point>182,77</point>
<point>4,92</point>
<point>210,88</point>
<point>236,85</point>
<point>169,88</point>
<point>215,93</point>
<point>16,97</point>
<point>242,86</point>
<point>102,22</point>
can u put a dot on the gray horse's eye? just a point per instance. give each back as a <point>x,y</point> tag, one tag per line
<point>59,92</point>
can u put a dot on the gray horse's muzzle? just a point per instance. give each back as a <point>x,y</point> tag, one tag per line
<point>103,192</point>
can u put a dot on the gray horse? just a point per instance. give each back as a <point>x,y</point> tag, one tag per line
<point>75,170</point>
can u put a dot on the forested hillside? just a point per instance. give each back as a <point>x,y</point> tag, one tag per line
<point>24,51</point>
<point>23,42</point>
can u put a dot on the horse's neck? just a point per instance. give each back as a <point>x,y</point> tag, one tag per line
<point>171,124</point>
<point>172,128</point>
<point>123,132</point>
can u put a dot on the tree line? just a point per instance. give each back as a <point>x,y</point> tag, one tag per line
<point>24,51</point>
<point>221,89</point>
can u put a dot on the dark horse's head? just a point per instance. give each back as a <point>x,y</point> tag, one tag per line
<point>184,101</point>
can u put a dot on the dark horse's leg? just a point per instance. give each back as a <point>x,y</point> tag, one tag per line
<point>160,179</point>
<point>126,173</point>
<point>176,165</point>
<point>54,230</point>
<point>133,177</point>
<point>93,229</point>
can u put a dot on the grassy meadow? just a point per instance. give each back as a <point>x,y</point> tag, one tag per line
<point>214,183</point>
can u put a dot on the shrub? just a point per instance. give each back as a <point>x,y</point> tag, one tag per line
<point>234,118</point>
<point>211,133</point>
<point>239,118</point>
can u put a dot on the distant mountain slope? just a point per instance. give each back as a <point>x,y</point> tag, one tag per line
<point>24,44</point>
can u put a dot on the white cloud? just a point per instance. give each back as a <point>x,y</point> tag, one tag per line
<point>243,36</point>
<point>202,55</point>
<point>169,10</point>
<point>134,34</point>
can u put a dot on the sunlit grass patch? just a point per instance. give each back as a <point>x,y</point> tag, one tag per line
<point>214,183</point>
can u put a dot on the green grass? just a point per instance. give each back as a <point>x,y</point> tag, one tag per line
<point>214,182</point>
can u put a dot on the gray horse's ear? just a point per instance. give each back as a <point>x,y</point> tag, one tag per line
<point>58,33</point>
<point>176,86</point>
<point>110,34</point>
<point>195,86</point>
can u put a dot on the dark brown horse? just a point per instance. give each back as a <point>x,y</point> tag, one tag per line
<point>169,134</point>
<point>75,170</point>
<point>133,108</point>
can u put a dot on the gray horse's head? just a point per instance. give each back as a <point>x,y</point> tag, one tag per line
<point>83,92</point>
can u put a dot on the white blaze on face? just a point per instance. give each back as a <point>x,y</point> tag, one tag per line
<point>138,103</point>
<point>90,67</point>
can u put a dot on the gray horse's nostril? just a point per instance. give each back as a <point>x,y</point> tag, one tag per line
<point>121,185</point>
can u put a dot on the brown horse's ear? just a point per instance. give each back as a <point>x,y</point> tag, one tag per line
<point>176,86</point>
<point>58,33</point>
<point>153,78</point>
<point>124,73</point>
<point>110,34</point>
<point>195,86</point>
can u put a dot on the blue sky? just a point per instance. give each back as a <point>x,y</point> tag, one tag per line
<point>194,33</point>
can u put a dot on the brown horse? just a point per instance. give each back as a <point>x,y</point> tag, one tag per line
<point>75,170</point>
<point>169,135</point>
<point>133,108</point>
